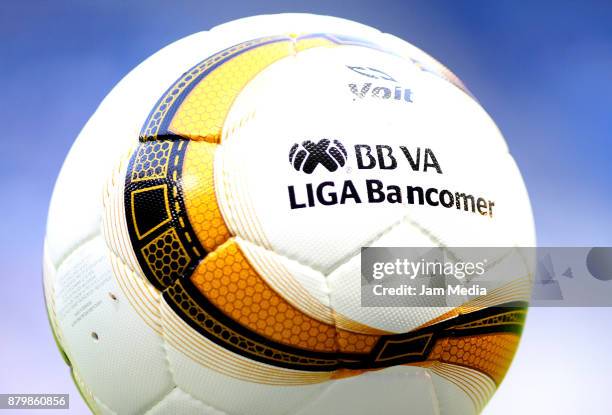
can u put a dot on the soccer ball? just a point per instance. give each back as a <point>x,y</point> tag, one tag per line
<point>203,239</point>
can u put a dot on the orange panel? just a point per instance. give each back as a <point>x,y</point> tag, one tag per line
<point>227,279</point>
<point>199,195</point>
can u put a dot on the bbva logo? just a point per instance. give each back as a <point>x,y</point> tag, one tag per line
<point>306,156</point>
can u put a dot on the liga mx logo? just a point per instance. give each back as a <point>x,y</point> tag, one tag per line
<point>308,155</point>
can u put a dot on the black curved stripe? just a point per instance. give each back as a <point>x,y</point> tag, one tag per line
<point>390,350</point>
<point>137,209</point>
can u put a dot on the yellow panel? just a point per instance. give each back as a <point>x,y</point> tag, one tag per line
<point>227,279</point>
<point>199,195</point>
<point>202,113</point>
<point>488,353</point>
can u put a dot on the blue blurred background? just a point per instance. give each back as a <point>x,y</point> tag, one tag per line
<point>543,70</point>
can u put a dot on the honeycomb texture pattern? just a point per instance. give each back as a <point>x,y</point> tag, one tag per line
<point>199,195</point>
<point>227,279</point>
<point>201,115</point>
<point>355,343</point>
<point>490,354</point>
<point>152,128</point>
<point>166,257</point>
<point>180,297</point>
<point>151,161</point>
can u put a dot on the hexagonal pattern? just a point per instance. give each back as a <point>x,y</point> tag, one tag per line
<point>151,129</point>
<point>355,343</point>
<point>151,161</point>
<point>166,257</point>
<point>180,298</point>
<point>199,195</point>
<point>202,113</point>
<point>491,354</point>
<point>227,279</point>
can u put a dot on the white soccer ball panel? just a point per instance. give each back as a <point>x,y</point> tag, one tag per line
<point>403,314</point>
<point>274,112</point>
<point>396,391</point>
<point>178,402</point>
<point>234,395</point>
<point>105,340</point>
<point>462,392</point>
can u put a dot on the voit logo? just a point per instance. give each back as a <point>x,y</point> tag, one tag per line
<point>330,154</point>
